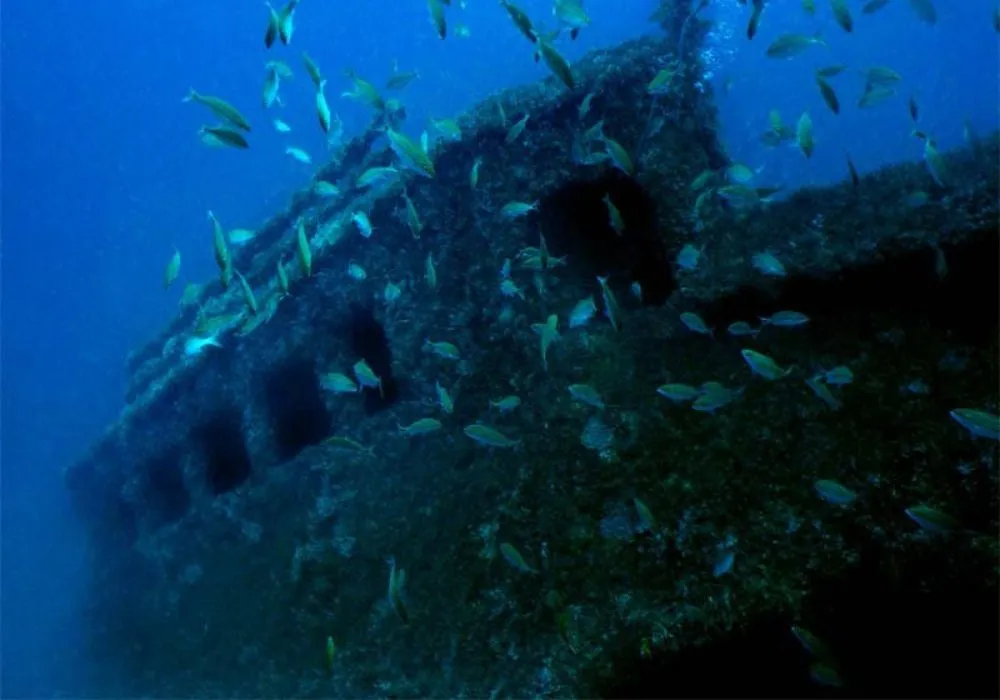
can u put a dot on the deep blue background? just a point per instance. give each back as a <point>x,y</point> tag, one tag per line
<point>103,175</point>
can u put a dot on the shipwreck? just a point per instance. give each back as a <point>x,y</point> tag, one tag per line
<point>230,537</point>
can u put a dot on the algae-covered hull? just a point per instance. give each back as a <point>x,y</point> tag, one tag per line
<point>230,540</point>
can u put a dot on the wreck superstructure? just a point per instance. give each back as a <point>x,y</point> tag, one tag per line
<point>230,540</point>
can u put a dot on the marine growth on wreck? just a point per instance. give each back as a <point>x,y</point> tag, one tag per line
<point>555,399</point>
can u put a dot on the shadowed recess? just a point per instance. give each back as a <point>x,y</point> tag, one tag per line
<point>164,492</point>
<point>369,342</point>
<point>964,300</point>
<point>227,460</point>
<point>295,405</point>
<point>576,222</point>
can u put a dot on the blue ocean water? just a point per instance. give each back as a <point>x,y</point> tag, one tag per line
<point>103,176</point>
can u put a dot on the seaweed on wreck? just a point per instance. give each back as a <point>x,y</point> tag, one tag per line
<point>164,491</point>
<point>299,417</point>
<point>227,459</point>
<point>98,500</point>
<point>576,223</point>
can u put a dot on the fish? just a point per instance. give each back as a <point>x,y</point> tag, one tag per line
<point>924,10</point>
<point>346,443</point>
<point>831,71</point>
<point>491,437</point>
<point>695,323</point>
<point>397,579</point>
<point>570,14</point>
<point>619,156</point>
<point>874,96</point>
<point>248,295</point>
<point>356,272</point>
<point>222,258</point>
<point>828,94</point>
<point>611,311</point>
<point>842,15</point>
<point>325,188</point>
<point>838,376</point>
<point>515,559</point>
<point>272,82</point>
<point>509,288</point>
<point>835,492</point>
<point>299,155</point>
<point>283,286</point>
<point>474,173</point>
<point>515,210</point>
<point>448,128</point>
<point>881,76</point>
<point>363,92</point>
<point>714,396</point>
<point>555,62</point>
<point>223,136</point>
<point>363,224</point>
<point>978,423</point>
<point>436,10</point>
<point>742,328</point>
<point>647,521</point>
<point>173,269</point>
<point>399,80</point>
<point>914,110</point>
<point>678,392</point>
<point>515,131</point>
<point>281,127</point>
<point>754,23</point>
<point>391,293</point>
<point>367,377</point>
<point>520,20</point>
<point>688,257</point>
<point>785,319</point>
<point>824,674</point>
<point>739,173</point>
<point>931,519</point>
<point>322,108</point>
<point>788,45</point>
<point>273,24</point>
<point>582,312</point>
<point>763,365</point>
<point>548,333</point>
<point>724,560</point>
<point>614,215</point>
<point>873,6</point>
<point>423,426</point>
<point>194,345</point>
<point>804,135</point>
<point>506,404</point>
<point>220,108</point>
<point>315,75</point>
<point>338,383</point>
<point>823,392</point>
<point>430,272</point>
<point>816,647</point>
<point>935,164</point>
<point>442,349</point>
<point>853,171</point>
<point>302,250</point>
<point>768,264</point>
<point>331,653</point>
<point>586,394</point>
<point>410,154</point>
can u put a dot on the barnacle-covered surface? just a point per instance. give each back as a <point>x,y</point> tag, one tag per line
<point>230,542</point>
